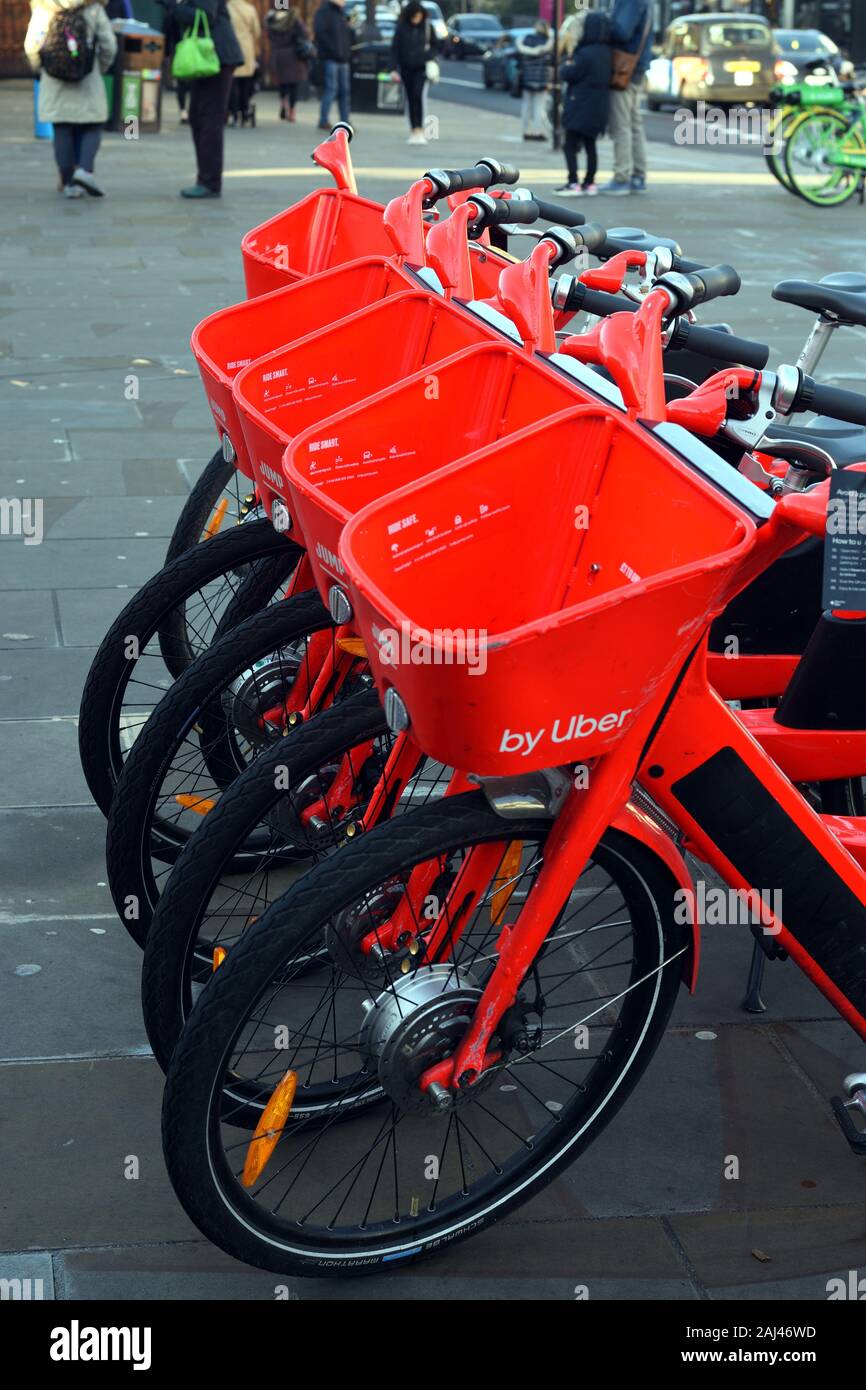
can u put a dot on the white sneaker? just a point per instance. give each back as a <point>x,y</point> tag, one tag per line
<point>70,191</point>
<point>87,181</point>
<point>416,138</point>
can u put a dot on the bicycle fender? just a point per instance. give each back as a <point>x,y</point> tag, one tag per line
<point>636,823</point>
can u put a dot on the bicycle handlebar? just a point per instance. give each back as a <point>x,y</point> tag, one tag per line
<point>688,291</point>
<point>563,217</point>
<point>481,175</point>
<point>706,342</point>
<point>709,342</point>
<point>834,401</point>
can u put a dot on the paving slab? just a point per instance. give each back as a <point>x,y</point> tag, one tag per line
<point>792,1246</point>
<point>40,763</point>
<point>35,616</point>
<point>26,1278</point>
<point>52,863</point>
<point>85,563</point>
<point>49,1011</point>
<point>87,614</point>
<point>37,684</point>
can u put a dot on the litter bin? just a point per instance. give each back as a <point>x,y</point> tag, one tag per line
<point>372,88</point>
<point>137,74</point>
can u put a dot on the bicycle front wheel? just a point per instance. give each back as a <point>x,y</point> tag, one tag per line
<point>815,144</point>
<point>379,1174</point>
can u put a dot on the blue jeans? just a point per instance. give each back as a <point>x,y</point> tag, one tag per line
<point>335,86</point>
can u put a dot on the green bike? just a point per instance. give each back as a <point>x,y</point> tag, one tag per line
<point>825,151</point>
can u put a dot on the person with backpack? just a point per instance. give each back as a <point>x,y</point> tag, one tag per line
<point>334,46</point>
<point>631,36</point>
<point>69,45</point>
<point>209,96</point>
<point>413,51</point>
<point>291,51</point>
<point>586,75</point>
<point>533,55</point>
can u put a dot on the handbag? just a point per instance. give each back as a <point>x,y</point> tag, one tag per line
<point>431,70</point>
<point>195,55</point>
<point>623,64</point>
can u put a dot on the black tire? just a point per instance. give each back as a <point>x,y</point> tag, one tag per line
<point>171,970</point>
<point>216,478</point>
<point>137,831</point>
<point>202,1084</point>
<point>265,559</point>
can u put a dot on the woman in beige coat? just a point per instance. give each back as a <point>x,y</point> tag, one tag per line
<point>248,29</point>
<point>78,110</point>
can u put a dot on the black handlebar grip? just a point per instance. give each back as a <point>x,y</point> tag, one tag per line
<point>723,347</point>
<point>479,176</point>
<point>596,302</point>
<point>508,173</point>
<point>591,236</point>
<point>833,401</point>
<point>716,282</point>
<point>686,267</point>
<point>520,211</point>
<point>564,217</point>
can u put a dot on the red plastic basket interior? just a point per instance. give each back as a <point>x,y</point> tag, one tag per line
<point>327,228</point>
<point>440,414</point>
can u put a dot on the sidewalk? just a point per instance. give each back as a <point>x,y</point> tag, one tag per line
<point>93,294</point>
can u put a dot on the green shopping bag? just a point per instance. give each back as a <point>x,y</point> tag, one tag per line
<point>195,55</point>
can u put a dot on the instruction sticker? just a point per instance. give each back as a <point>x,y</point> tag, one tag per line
<point>845,546</point>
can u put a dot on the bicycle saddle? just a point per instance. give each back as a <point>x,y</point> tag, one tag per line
<point>841,295</point>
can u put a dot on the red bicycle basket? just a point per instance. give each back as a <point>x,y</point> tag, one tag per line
<point>227,341</point>
<point>298,386</point>
<point>409,431</point>
<point>526,602</point>
<point>325,229</point>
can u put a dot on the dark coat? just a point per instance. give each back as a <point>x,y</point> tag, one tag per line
<point>587,78</point>
<point>533,54</point>
<point>284,28</point>
<point>412,46</point>
<point>333,35</point>
<point>221,31</point>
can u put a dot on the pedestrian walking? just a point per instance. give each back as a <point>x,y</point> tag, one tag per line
<point>69,46</point>
<point>413,60</point>
<point>586,75</point>
<point>248,31</point>
<point>334,46</point>
<point>533,55</point>
<point>291,51</point>
<point>631,23</point>
<point>209,96</point>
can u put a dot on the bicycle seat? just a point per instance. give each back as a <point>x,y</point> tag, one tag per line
<point>841,295</point>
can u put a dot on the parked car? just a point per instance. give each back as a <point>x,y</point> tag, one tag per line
<point>500,62</point>
<point>807,53</point>
<point>717,58</point>
<point>470,35</point>
<point>437,20</point>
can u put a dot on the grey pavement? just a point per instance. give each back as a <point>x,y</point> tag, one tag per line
<point>91,293</point>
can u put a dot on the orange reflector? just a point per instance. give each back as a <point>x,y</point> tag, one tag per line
<point>216,520</point>
<point>219,955</point>
<point>355,646</point>
<point>200,804</point>
<point>507,877</point>
<point>269,1128</point>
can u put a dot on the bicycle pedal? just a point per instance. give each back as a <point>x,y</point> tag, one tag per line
<point>844,1110</point>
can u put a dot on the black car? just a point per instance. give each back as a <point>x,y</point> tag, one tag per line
<point>500,62</point>
<point>803,51</point>
<point>470,35</point>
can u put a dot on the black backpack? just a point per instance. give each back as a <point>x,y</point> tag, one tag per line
<point>68,53</point>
